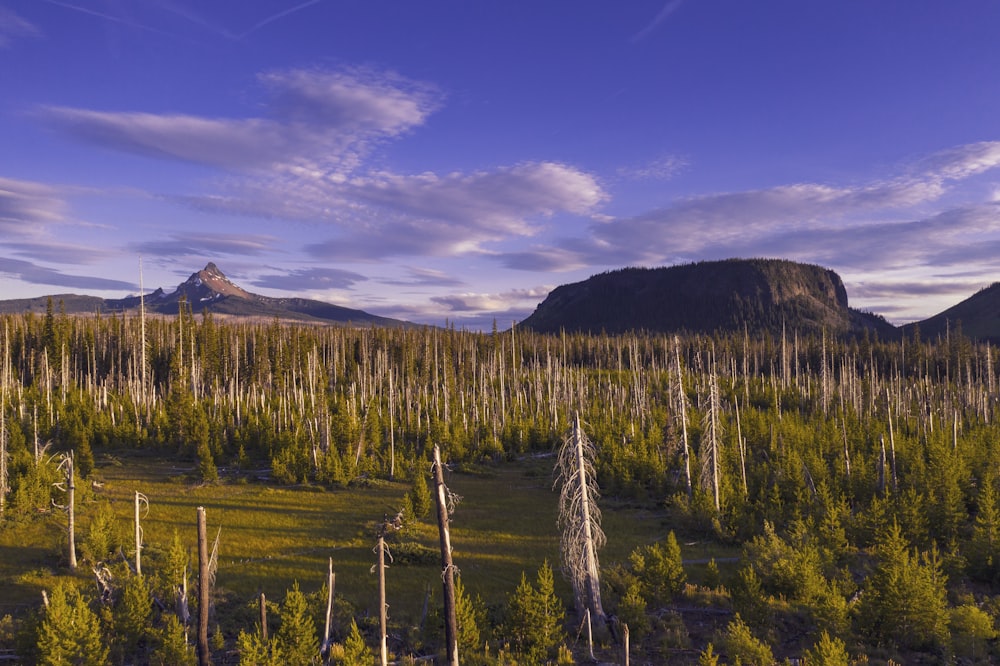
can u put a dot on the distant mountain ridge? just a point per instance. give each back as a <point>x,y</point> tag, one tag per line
<point>210,289</point>
<point>730,295</point>
<point>759,294</point>
<point>978,317</point>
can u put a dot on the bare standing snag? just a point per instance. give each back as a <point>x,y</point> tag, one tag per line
<point>580,520</point>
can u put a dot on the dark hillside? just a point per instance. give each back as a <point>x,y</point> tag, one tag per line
<point>978,317</point>
<point>759,294</point>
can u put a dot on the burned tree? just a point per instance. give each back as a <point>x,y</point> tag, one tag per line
<point>580,521</point>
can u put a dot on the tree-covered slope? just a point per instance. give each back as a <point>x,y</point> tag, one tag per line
<point>759,294</point>
<point>978,317</point>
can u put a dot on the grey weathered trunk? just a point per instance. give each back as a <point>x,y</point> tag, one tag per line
<point>139,498</point>
<point>580,520</point>
<point>447,568</point>
<point>71,510</point>
<point>204,657</point>
<point>682,412</point>
<point>262,603</point>
<point>331,581</point>
<point>383,648</point>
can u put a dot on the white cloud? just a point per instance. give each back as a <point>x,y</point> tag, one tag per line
<point>478,302</point>
<point>963,161</point>
<point>193,244</point>
<point>317,119</point>
<point>879,222</point>
<point>26,204</point>
<point>383,214</point>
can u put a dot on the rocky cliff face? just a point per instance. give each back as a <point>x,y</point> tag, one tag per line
<point>758,294</point>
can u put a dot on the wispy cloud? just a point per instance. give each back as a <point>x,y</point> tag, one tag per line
<point>424,277</point>
<point>474,311</point>
<point>24,204</point>
<point>662,168</point>
<point>306,157</point>
<point>14,27</point>
<point>277,16</point>
<point>199,20</point>
<point>190,245</point>
<point>473,302</point>
<point>318,120</point>
<point>121,20</point>
<point>27,271</point>
<point>309,279</point>
<point>429,215</point>
<point>882,222</point>
<point>668,8</point>
<point>56,252</point>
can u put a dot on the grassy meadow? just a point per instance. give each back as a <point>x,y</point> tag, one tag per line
<point>272,536</point>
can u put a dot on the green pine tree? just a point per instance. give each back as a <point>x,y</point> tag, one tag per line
<point>420,496</point>
<point>297,638</point>
<point>659,568</point>
<point>708,657</point>
<point>131,617</point>
<point>171,647</point>
<point>70,633</point>
<point>827,652</point>
<point>355,651</point>
<point>255,651</point>
<point>741,646</point>
<point>905,599</point>
<point>471,616</point>
<point>535,616</point>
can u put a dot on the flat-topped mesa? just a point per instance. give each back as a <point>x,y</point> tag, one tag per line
<point>755,295</point>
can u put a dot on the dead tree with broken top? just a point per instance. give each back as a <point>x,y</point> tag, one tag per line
<point>580,521</point>
<point>66,467</point>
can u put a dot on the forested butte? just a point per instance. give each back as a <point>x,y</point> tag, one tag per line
<point>759,497</point>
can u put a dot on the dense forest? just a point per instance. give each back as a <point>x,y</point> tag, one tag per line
<point>859,477</point>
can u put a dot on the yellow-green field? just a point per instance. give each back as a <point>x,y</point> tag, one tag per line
<point>272,536</point>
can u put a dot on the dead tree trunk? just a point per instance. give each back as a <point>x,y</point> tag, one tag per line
<point>72,512</point>
<point>67,468</point>
<point>447,568</point>
<point>580,520</point>
<point>263,618</point>
<point>3,429</point>
<point>204,658</point>
<point>625,644</point>
<point>682,413</point>
<point>711,440</point>
<point>139,500</point>
<point>330,583</point>
<point>383,648</point>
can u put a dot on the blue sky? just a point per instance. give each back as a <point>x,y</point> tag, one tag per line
<point>455,160</point>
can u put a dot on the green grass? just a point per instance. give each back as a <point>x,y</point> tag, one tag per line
<point>273,535</point>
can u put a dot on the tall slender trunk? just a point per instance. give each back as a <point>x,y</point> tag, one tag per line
<point>138,534</point>
<point>262,607</point>
<point>682,412</point>
<point>71,510</point>
<point>447,568</point>
<point>383,648</point>
<point>331,581</point>
<point>593,590</point>
<point>204,657</point>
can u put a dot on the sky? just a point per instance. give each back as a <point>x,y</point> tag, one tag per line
<point>452,161</point>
